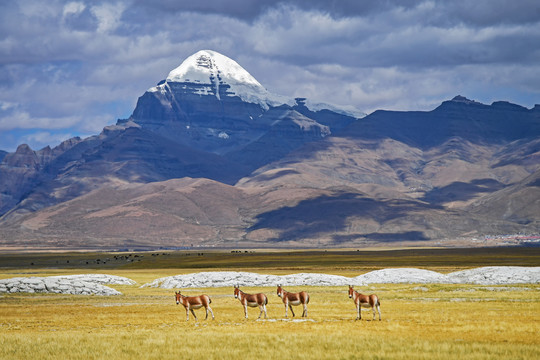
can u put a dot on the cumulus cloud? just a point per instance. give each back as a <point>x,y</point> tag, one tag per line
<point>81,64</point>
<point>77,16</point>
<point>45,137</point>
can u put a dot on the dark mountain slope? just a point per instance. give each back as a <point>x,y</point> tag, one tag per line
<point>498,123</point>
<point>131,155</point>
<point>289,131</point>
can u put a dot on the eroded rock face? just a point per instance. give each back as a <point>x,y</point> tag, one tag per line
<point>86,284</point>
<point>18,173</point>
<point>197,120</point>
<point>224,124</point>
<point>22,170</point>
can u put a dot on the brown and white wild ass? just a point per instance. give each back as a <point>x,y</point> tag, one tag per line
<point>365,301</point>
<point>290,299</point>
<point>194,302</point>
<point>251,300</point>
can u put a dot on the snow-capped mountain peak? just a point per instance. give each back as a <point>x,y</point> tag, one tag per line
<point>212,73</point>
<point>210,67</point>
<point>208,72</point>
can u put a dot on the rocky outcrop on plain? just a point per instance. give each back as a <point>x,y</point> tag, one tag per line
<point>94,284</point>
<point>402,275</point>
<point>490,275</point>
<point>497,275</point>
<point>238,278</point>
<point>493,275</point>
<point>86,284</point>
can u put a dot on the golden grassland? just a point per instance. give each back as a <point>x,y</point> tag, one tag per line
<point>418,321</point>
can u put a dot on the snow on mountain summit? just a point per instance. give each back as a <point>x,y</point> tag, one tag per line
<point>208,72</point>
<point>211,67</point>
<point>212,73</point>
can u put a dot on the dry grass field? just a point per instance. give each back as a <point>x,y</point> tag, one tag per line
<point>418,321</point>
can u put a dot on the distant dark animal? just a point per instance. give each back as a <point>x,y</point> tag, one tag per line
<point>251,300</point>
<point>194,302</point>
<point>290,299</point>
<point>365,301</point>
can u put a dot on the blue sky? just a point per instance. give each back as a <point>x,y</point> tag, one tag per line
<point>69,68</point>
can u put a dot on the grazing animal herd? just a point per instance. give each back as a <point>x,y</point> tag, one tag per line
<point>289,299</point>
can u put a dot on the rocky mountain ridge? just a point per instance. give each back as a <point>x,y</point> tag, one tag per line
<point>199,162</point>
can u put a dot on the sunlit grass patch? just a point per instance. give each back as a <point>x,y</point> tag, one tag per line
<point>418,322</point>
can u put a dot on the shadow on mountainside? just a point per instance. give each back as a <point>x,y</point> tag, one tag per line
<point>461,191</point>
<point>326,215</point>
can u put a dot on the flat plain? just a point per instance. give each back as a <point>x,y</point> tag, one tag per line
<point>419,321</point>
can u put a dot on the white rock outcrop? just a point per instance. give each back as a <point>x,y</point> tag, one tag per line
<point>497,275</point>
<point>85,284</point>
<point>493,275</point>
<point>232,278</point>
<point>94,284</point>
<point>402,276</point>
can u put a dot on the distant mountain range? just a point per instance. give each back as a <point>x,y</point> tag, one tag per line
<point>210,158</point>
